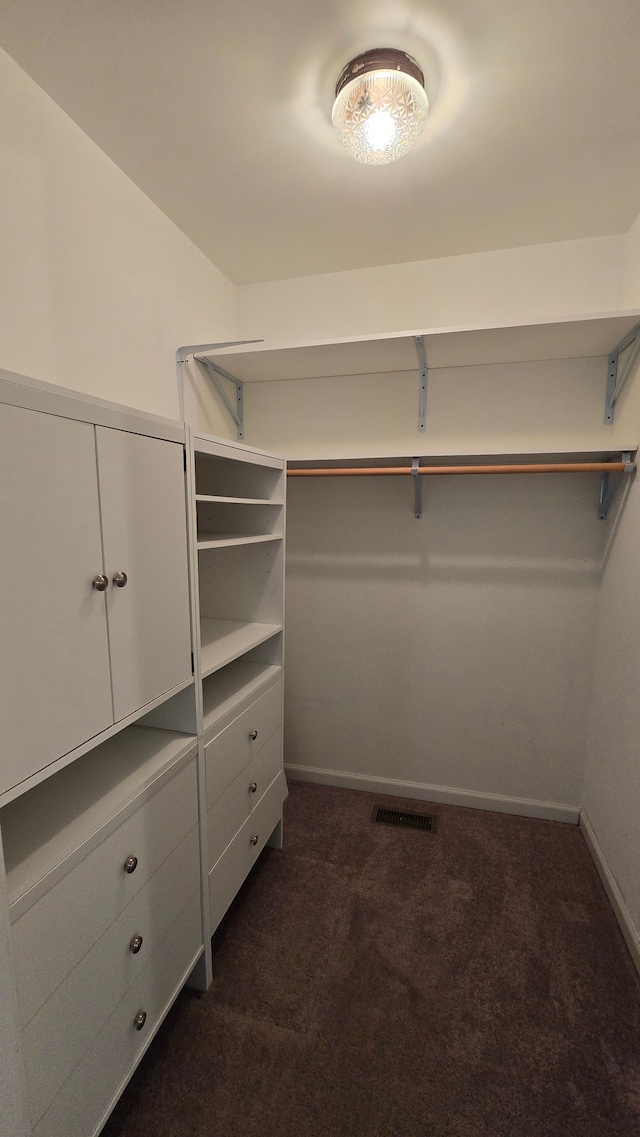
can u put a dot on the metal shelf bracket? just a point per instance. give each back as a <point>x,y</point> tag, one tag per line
<point>216,374</point>
<point>416,478</point>
<point>422,389</point>
<point>610,484</point>
<point>615,382</point>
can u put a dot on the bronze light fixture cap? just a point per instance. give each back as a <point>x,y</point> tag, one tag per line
<point>379,59</point>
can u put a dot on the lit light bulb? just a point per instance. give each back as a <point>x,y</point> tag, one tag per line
<point>379,130</point>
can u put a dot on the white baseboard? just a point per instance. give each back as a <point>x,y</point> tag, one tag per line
<point>548,810</point>
<point>612,889</point>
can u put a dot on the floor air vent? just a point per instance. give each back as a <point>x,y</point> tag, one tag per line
<point>403,820</point>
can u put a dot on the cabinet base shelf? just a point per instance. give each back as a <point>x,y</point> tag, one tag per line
<point>222,641</point>
<point>230,688</point>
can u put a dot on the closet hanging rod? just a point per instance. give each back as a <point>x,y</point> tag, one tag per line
<point>515,468</point>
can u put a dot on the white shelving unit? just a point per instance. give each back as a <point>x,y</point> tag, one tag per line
<point>238,524</point>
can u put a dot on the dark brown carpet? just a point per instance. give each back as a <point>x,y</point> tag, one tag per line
<point>372,982</point>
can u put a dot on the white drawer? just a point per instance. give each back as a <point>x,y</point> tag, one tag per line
<point>239,800</point>
<point>80,1107</point>
<point>59,929</point>
<point>238,859</point>
<point>56,1038</point>
<point>231,750</point>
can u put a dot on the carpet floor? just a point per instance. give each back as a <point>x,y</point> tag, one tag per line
<point>375,982</point>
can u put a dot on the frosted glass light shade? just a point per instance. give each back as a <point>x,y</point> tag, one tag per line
<point>380,112</point>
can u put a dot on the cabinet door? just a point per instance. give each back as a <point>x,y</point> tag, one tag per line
<point>54,664</point>
<point>142,503</point>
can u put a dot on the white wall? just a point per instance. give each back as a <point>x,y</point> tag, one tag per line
<point>98,287</point>
<point>512,407</point>
<point>611,795</point>
<point>454,651</point>
<point>495,289</point>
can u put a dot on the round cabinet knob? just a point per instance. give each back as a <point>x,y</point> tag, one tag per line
<point>135,945</point>
<point>131,864</point>
<point>120,579</point>
<point>253,787</point>
<point>253,734</point>
<point>100,582</point>
<point>140,1020</point>
<point>254,839</point>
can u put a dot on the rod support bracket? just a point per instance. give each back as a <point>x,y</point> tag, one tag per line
<point>610,484</point>
<point>416,478</point>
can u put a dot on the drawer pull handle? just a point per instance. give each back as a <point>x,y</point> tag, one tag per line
<point>131,864</point>
<point>253,787</point>
<point>254,839</point>
<point>140,1020</point>
<point>120,579</point>
<point>135,945</point>
<point>100,582</point>
<point>253,734</point>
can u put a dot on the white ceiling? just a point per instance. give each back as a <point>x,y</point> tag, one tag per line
<point>220,112</point>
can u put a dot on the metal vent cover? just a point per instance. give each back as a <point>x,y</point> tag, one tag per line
<point>402,819</point>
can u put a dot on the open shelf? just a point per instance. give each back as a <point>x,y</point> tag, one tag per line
<point>45,825</point>
<point>225,640</point>
<point>224,540</point>
<point>213,499</point>
<point>222,477</point>
<point>227,689</point>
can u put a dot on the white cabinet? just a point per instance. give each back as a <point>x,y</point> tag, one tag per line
<point>80,503</point>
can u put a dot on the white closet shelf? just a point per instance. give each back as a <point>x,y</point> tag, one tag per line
<point>222,641</point>
<point>231,687</point>
<point>462,347</point>
<point>224,540</point>
<point>44,826</point>
<point>240,500</point>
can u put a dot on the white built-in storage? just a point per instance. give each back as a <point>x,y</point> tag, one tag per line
<point>99,795</point>
<point>238,514</point>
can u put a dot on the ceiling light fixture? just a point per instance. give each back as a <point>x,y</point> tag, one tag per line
<point>381,105</point>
